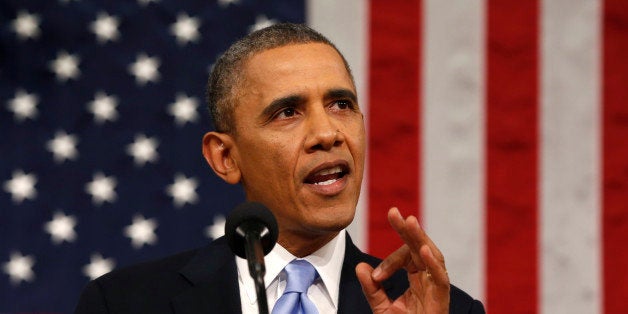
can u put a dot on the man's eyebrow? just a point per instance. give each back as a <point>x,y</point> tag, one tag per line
<point>283,102</point>
<point>341,93</point>
<point>296,100</point>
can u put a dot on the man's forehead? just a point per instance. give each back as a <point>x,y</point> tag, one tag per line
<point>296,50</point>
<point>291,70</point>
<point>303,61</point>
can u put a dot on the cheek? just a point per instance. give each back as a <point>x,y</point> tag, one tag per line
<point>358,143</point>
<point>272,160</point>
<point>279,147</point>
<point>277,151</point>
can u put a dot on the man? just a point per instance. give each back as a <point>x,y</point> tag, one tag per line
<point>290,130</point>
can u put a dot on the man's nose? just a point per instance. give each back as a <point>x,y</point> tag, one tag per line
<point>323,133</point>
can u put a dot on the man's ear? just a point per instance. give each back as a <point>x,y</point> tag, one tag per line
<point>218,149</point>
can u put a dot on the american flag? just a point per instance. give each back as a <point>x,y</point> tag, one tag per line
<point>500,123</point>
<point>102,117</point>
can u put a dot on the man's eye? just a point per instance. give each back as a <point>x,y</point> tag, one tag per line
<point>285,113</point>
<point>343,104</point>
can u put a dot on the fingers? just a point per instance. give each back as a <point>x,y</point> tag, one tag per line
<point>413,235</point>
<point>393,262</point>
<point>375,294</point>
<point>425,265</point>
<point>409,236</point>
<point>419,253</point>
<point>435,282</point>
<point>435,268</point>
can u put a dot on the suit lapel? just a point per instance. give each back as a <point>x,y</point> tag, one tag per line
<point>352,299</point>
<point>213,276</point>
<point>214,279</point>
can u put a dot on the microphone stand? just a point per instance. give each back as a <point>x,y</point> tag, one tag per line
<point>257,270</point>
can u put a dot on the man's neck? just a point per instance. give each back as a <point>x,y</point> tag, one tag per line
<point>304,245</point>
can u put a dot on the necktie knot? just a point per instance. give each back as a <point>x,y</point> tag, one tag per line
<point>301,274</point>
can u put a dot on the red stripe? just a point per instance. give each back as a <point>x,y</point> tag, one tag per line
<point>615,158</point>
<point>512,162</point>
<point>393,117</point>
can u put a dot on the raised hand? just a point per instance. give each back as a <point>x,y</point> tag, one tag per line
<point>428,290</point>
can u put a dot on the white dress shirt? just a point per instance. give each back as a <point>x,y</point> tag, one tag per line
<point>323,293</point>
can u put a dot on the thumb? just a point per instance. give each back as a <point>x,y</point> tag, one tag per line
<point>373,291</point>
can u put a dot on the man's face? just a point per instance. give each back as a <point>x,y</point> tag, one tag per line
<point>299,141</point>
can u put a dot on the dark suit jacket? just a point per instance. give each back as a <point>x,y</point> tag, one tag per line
<point>206,281</point>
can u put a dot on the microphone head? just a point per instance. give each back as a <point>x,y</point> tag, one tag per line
<point>251,215</point>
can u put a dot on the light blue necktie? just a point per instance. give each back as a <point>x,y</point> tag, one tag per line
<point>301,275</point>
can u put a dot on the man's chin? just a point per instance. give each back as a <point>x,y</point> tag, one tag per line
<point>334,223</point>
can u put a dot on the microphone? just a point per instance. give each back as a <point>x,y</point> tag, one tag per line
<point>251,232</point>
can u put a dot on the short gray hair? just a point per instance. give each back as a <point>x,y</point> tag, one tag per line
<point>226,73</point>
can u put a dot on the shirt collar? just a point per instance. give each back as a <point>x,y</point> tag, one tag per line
<point>327,261</point>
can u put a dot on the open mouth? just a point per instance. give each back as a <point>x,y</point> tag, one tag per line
<point>327,175</point>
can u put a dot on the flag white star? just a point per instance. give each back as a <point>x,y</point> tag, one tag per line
<point>61,228</point>
<point>224,3</point>
<point>183,190</point>
<point>103,108</point>
<point>26,25</point>
<point>184,109</point>
<point>102,189</point>
<point>23,105</point>
<point>19,268</point>
<point>65,66</point>
<point>105,27</point>
<point>185,29</point>
<point>146,2</point>
<point>261,22</point>
<point>217,229</point>
<point>145,69</point>
<point>21,186</point>
<point>63,146</point>
<point>141,231</point>
<point>143,149</point>
<point>98,266</point>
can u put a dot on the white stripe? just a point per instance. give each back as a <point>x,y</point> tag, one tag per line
<point>570,166</point>
<point>453,137</point>
<point>345,23</point>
